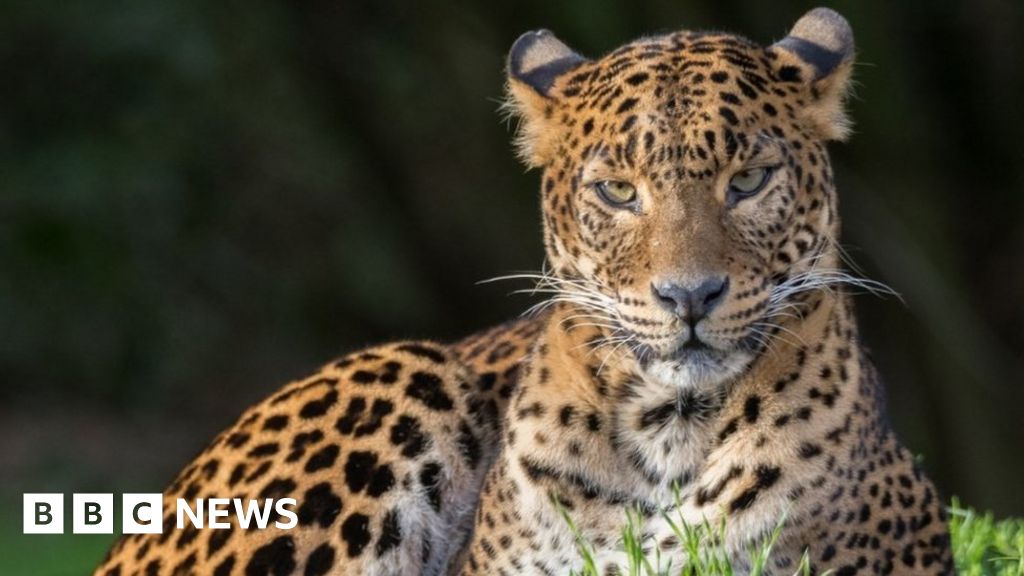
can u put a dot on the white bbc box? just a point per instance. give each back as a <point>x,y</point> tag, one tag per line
<point>142,513</point>
<point>43,513</point>
<point>92,513</point>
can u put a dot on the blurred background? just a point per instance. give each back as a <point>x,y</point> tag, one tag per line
<point>201,200</point>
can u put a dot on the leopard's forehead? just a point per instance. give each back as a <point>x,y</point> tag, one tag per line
<point>668,74</point>
<point>705,98</point>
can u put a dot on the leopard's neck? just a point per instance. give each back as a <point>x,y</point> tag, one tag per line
<point>589,421</point>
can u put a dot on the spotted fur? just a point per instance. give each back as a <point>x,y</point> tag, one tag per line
<point>699,356</point>
<point>759,406</point>
<point>384,450</point>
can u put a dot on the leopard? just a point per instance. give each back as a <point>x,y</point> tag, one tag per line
<point>701,370</point>
<point>697,356</point>
<point>383,451</point>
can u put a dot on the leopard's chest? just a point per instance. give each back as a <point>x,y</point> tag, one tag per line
<point>664,433</point>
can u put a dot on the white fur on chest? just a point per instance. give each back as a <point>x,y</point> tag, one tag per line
<point>665,431</point>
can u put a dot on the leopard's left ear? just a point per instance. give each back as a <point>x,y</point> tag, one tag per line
<point>819,52</point>
<point>535,62</point>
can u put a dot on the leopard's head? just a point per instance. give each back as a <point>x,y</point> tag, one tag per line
<point>686,189</point>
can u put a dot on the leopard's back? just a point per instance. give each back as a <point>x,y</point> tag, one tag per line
<point>384,451</point>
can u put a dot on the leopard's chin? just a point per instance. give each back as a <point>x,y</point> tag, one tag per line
<point>694,365</point>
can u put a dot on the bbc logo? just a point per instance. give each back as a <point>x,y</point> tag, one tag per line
<point>92,513</point>
<point>144,513</point>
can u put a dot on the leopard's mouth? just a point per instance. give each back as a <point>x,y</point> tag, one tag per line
<point>690,352</point>
<point>693,361</point>
<point>695,352</point>
<point>674,347</point>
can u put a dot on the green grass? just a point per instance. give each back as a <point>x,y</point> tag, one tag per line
<point>982,546</point>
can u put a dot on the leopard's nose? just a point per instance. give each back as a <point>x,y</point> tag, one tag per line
<point>691,303</point>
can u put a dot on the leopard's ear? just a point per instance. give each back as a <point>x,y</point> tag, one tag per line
<point>537,59</point>
<point>819,52</point>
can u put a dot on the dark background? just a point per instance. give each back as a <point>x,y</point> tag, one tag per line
<point>201,200</point>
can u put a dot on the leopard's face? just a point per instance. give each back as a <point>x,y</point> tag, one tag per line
<point>686,188</point>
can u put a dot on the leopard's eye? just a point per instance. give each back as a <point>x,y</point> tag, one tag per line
<point>748,182</point>
<point>616,193</point>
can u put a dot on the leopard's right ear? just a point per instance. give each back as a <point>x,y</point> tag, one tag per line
<point>537,59</point>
